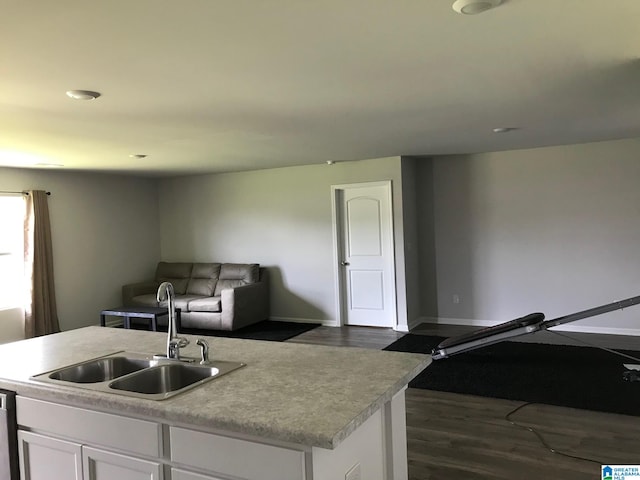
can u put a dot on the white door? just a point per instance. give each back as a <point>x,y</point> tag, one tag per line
<point>364,227</point>
<point>101,465</point>
<point>45,458</point>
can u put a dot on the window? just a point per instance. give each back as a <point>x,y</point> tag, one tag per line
<point>12,210</point>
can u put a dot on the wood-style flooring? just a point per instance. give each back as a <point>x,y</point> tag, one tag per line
<point>464,437</point>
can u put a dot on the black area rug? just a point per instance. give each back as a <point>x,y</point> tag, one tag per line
<point>569,376</point>
<point>265,330</point>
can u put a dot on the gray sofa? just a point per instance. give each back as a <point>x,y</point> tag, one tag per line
<point>218,296</point>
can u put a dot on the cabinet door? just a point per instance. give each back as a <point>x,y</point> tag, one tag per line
<point>177,474</point>
<point>101,465</point>
<point>234,457</point>
<point>45,458</point>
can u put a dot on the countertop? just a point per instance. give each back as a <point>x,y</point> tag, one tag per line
<point>304,394</point>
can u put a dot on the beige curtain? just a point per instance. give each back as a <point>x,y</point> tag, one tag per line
<point>41,317</point>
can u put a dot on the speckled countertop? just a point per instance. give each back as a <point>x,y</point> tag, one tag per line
<point>305,394</point>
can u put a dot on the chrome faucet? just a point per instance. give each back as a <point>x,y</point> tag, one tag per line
<point>174,342</point>
<point>204,351</point>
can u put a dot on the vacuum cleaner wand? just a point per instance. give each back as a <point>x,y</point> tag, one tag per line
<point>520,326</point>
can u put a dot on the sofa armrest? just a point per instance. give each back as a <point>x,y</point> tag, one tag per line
<point>134,289</point>
<point>244,305</point>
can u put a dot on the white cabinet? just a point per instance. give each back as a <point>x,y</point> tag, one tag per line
<point>61,442</point>
<point>101,465</point>
<point>48,458</point>
<point>45,458</point>
<point>88,427</point>
<point>46,454</point>
<point>177,474</point>
<point>235,457</point>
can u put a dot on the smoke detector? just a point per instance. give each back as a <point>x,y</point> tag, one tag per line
<point>473,7</point>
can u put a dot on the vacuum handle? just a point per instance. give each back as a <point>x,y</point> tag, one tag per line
<point>592,312</point>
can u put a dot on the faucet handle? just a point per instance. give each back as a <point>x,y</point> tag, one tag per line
<point>204,351</point>
<point>173,350</point>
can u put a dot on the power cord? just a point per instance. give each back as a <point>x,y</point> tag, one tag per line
<point>544,443</point>
<point>536,433</point>
<point>615,352</point>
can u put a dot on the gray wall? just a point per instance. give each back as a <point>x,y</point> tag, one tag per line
<point>104,231</point>
<point>552,229</point>
<point>280,218</point>
<point>427,279</point>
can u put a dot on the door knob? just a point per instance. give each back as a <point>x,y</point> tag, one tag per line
<point>344,264</point>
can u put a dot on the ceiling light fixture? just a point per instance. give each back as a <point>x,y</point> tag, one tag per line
<point>504,129</point>
<point>50,165</point>
<point>82,94</point>
<point>473,7</point>
<point>138,155</point>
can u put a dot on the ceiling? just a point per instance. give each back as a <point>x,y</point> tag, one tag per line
<point>229,85</point>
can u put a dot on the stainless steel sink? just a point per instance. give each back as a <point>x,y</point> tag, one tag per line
<point>164,378</point>
<point>138,375</point>
<point>100,370</point>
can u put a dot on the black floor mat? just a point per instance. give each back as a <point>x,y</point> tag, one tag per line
<point>569,376</point>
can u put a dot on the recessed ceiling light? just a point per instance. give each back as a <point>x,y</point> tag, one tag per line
<point>504,129</point>
<point>82,94</point>
<point>50,165</point>
<point>473,7</point>
<point>138,155</point>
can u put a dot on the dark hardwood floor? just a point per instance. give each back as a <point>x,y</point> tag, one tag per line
<point>464,437</point>
<point>365,337</point>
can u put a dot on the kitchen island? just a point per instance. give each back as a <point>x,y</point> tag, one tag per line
<point>295,411</point>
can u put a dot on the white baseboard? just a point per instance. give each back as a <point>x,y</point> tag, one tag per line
<point>411,325</point>
<point>561,328</point>
<point>324,323</point>
<point>334,323</point>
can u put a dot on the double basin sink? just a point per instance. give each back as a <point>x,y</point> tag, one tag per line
<point>138,375</point>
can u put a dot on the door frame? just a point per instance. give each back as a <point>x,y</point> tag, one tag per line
<point>336,222</point>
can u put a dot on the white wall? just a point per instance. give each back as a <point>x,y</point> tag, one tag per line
<point>11,324</point>
<point>104,231</point>
<point>280,218</point>
<point>555,230</point>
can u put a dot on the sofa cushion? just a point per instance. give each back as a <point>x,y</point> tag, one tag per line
<point>176,273</point>
<point>182,301</point>
<point>204,277</point>
<point>209,304</point>
<point>236,274</point>
<point>146,300</point>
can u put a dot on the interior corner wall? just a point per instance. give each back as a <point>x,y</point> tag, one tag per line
<point>411,244</point>
<point>280,218</point>
<point>104,235</point>
<point>554,229</point>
